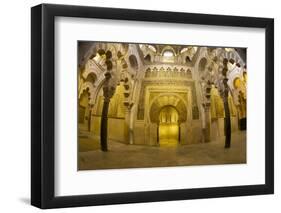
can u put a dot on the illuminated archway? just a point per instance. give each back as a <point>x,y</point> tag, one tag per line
<point>169,130</point>
<point>133,62</point>
<point>167,99</point>
<point>169,112</point>
<point>202,64</point>
<point>237,83</point>
<point>84,110</point>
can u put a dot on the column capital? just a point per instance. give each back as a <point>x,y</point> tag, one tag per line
<point>206,106</point>
<point>108,92</point>
<point>128,105</point>
<point>108,88</point>
<point>91,105</point>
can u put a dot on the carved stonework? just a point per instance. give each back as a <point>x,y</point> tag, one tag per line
<point>195,113</point>
<point>169,83</point>
<point>168,72</point>
<point>108,88</point>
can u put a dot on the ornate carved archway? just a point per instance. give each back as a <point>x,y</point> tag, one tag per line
<point>167,99</point>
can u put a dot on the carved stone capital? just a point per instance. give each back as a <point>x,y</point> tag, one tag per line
<point>206,106</point>
<point>108,92</point>
<point>91,106</point>
<point>128,105</point>
<point>108,87</point>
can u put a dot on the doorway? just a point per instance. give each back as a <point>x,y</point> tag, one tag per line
<point>168,130</point>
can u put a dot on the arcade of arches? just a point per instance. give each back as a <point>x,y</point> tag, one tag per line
<point>159,95</point>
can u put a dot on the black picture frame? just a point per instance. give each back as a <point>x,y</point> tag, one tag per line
<point>43,105</point>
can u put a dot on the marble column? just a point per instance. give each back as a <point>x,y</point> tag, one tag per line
<point>128,132</point>
<point>103,130</point>
<point>207,129</point>
<point>207,113</point>
<point>224,94</point>
<point>227,121</point>
<point>91,107</point>
<point>157,136</point>
<point>108,91</point>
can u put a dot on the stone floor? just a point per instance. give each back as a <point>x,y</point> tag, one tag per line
<point>136,156</point>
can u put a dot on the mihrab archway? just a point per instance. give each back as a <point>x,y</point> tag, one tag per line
<point>168,111</point>
<point>168,128</point>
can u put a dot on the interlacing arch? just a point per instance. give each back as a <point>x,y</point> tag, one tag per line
<point>232,56</point>
<point>168,49</point>
<point>101,54</point>
<point>236,69</point>
<point>87,86</point>
<point>167,99</point>
<point>128,85</point>
<point>214,65</point>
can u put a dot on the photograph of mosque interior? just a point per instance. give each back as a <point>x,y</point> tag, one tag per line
<point>160,105</point>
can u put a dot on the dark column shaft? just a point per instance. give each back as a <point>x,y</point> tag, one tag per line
<point>90,120</point>
<point>179,134</point>
<point>103,130</point>
<point>227,124</point>
<point>157,133</point>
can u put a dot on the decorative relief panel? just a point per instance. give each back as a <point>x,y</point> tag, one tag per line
<point>195,113</point>
<point>168,72</point>
<point>170,84</point>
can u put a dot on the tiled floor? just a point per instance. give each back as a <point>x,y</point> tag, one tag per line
<point>132,156</point>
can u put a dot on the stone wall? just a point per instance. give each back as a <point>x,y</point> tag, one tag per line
<point>115,128</point>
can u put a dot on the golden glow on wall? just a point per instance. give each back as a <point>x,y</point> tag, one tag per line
<point>217,107</point>
<point>168,126</point>
<point>168,115</point>
<point>237,83</point>
<point>232,107</point>
<point>245,76</point>
<point>83,106</point>
<point>152,105</point>
<point>116,104</point>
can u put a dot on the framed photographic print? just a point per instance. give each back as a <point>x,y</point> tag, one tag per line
<point>139,106</point>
